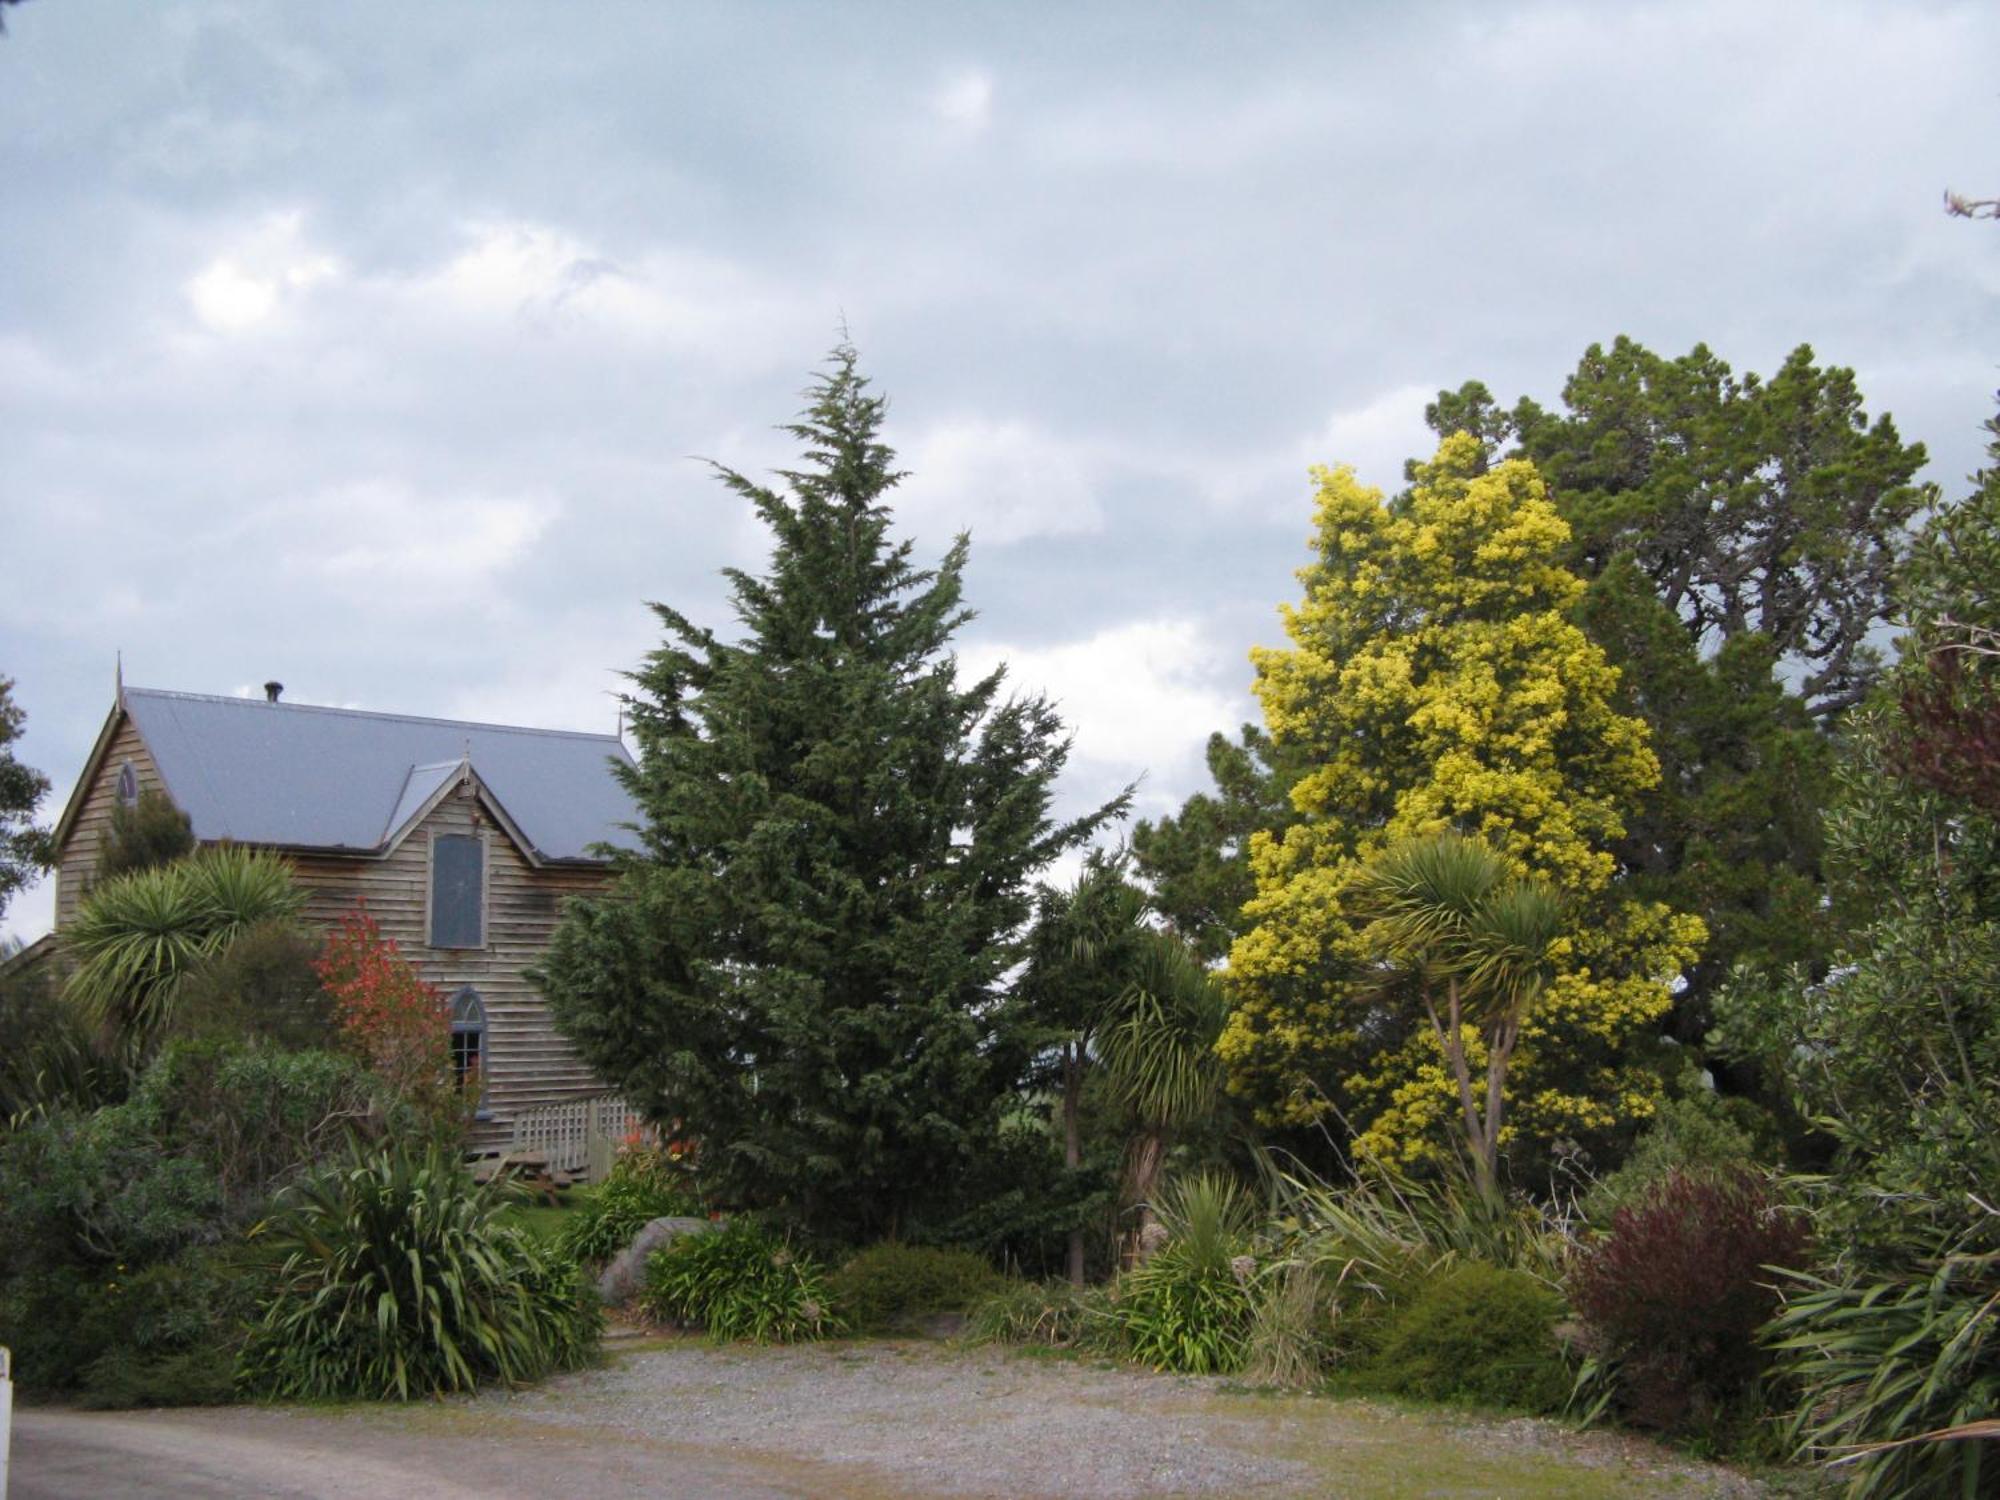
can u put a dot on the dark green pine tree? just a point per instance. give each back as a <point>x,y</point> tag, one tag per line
<point>804,966</point>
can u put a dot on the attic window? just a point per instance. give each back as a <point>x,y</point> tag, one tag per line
<point>128,785</point>
<point>458,891</point>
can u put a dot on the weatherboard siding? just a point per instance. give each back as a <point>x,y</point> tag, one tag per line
<point>527,1061</point>
<point>78,856</point>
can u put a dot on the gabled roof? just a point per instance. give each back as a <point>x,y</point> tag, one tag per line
<point>302,777</point>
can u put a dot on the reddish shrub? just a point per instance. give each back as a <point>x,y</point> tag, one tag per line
<point>399,1025</point>
<point>1675,1294</point>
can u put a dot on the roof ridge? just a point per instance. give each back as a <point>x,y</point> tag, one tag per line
<point>264,706</point>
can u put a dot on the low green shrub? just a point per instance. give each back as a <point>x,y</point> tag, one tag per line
<point>392,1278</point>
<point>1474,1332</point>
<point>639,1188</point>
<point>742,1282</point>
<point>1190,1308</point>
<point>1695,1136</point>
<point>890,1286</point>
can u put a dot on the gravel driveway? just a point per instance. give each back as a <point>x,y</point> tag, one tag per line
<point>876,1419</point>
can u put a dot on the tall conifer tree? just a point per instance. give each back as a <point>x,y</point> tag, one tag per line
<point>803,965</point>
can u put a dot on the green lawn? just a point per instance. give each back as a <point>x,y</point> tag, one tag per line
<point>537,1219</point>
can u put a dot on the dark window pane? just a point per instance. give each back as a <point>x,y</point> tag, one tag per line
<point>457,889</point>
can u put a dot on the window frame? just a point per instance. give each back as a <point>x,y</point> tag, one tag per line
<point>485,843</point>
<point>480,1027</point>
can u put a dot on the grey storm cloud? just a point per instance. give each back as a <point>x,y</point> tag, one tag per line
<point>377,348</point>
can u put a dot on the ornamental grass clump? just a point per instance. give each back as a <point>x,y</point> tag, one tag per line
<point>392,1278</point>
<point>742,1282</point>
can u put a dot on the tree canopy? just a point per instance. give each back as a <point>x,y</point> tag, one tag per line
<point>803,965</point>
<point>1436,679</point>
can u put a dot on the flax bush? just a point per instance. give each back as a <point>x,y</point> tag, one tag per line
<point>391,1278</point>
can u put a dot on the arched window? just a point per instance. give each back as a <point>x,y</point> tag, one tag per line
<point>468,1040</point>
<point>128,785</point>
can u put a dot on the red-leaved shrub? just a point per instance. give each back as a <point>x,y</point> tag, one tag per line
<point>385,1012</point>
<point>1673,1297</point>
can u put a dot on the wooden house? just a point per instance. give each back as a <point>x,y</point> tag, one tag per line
<point>463,839</point>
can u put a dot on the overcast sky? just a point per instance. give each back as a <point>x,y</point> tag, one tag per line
<point>369,347</point>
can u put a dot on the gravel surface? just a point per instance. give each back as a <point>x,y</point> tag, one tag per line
<point>842,1420</point>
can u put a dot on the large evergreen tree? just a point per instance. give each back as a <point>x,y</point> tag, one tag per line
<point>24,848</point>
<point>1739,537</point>
<point>803,966</point>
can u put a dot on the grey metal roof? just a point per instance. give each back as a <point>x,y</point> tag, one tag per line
<point>335,778</point>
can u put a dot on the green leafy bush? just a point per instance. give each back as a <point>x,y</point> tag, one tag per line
<point>639,1188</point>
<point>1475,1332</point>
<point>170,1332</point>
<point>891,1285</point>
<point>263,987</point>
<point>143,835</point>
<point>742,1282</point>
<point>392,1278</point>
<point>1190,1308</point>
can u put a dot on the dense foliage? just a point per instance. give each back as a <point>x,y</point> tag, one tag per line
<point>120,1266</point>
<point>1437,678</point>
<point>1475,1332</point>
<point>394,1279</point>
<point>137,937</point>
<point>805,962</point>
<point>1740,537</point>
<point>143,835</point>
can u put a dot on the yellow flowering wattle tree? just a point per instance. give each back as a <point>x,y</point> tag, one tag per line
<point>1436,679</point>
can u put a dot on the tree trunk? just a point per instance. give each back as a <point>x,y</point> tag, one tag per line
<point>1149,1150</point>
<point>1073,1142</point>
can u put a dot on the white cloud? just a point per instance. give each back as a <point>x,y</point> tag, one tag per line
<point>965,100</point>
<point>244,286</point>
<point>1373,439</point>
<point>405,548</point>
<point>1140,698</point>
<point>1004,481</point>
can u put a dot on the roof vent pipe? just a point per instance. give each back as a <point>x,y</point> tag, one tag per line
<point>271,691</point>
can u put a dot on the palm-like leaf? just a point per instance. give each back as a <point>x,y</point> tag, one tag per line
<point>1449,906</point>
<point>137,936</point>
<point>1157,1042</point>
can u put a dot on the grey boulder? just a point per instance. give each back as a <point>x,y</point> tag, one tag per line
<point>625,1273</point>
